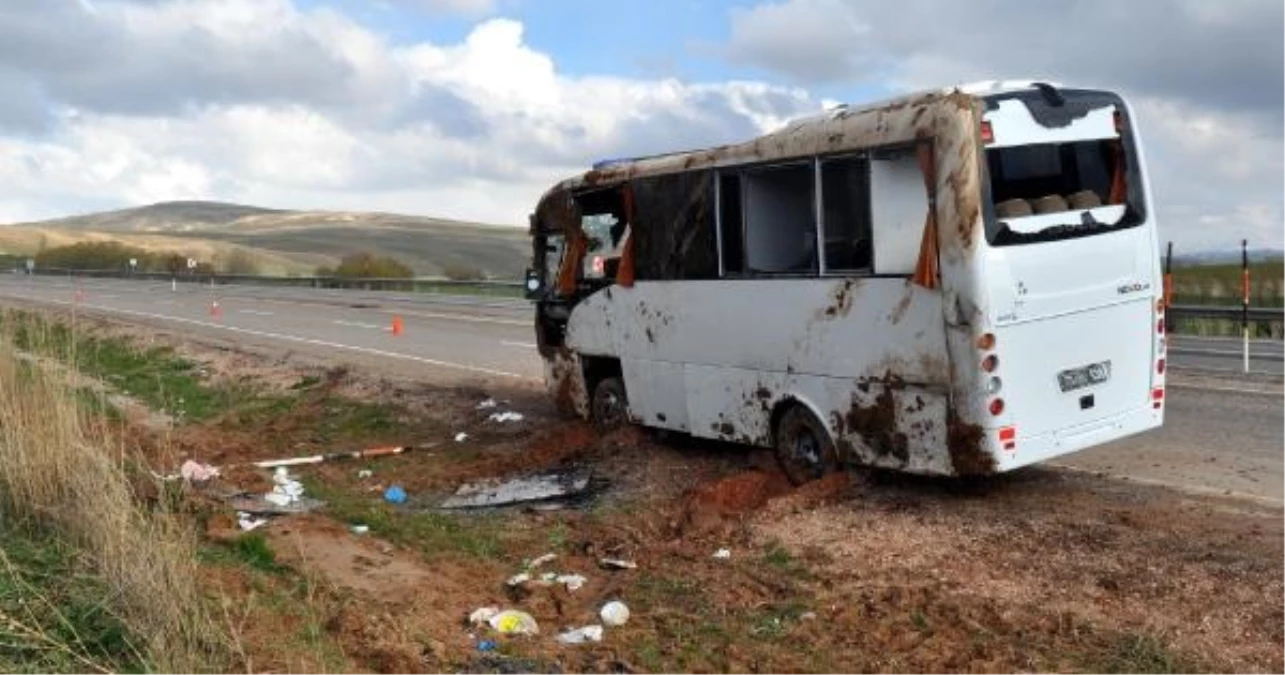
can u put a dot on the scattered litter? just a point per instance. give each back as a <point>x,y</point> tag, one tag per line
<point>360,529</point>
<point>518,579</point>
<point>352,454</point>
<point>614,613</point>
<point>248,522</point>
<point>272,504</point>
<point>461,437</point>
<point>581,635</point>
<point>549,577</point>
<point>535,488</point>
<point>506,416</point>
<point>395,495</point>
<point>486,646</point>
<point>195,472</point>
<point>722,554</point>
<point>617,564</point>
<point>807,616</point>
<point>482,615</point>
<point>573,582</point>
<point>285,488</point>
<point>365,473</point>
<point>513,622</point>
<point>487,404</point>
<point>547,557</point>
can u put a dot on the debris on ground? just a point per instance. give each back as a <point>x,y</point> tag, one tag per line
<point>581,635</point>
<point>365,473</point>
<point>487,404</point>
<point>547,557</point>
<point>498,493</point>
<point>360,529</point>
<point>514,622</point>
<point>506,416</point>
<point>617,564</point>
<point>722,554</point>
<point>248,522</point>
<point>461,437</point>
<point>486,646</point>
<point>351,454</point>
<point>614,613</point>
<point>482,615</point>
<point>395,494</point>
<point>518,579</point>
<point>196,472</point>
<point>573,582</point>
<point>285,489</point>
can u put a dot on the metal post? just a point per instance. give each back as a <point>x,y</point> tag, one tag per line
<point>1244,299</point>
<point>1168,287</point>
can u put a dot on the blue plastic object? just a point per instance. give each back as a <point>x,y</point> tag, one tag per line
<point>486,646</point>
<point>395,495</point>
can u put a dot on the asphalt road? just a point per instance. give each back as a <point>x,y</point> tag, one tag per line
<point>1223,430</point>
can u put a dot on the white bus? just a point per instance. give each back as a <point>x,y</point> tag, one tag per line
<point>958,282</point>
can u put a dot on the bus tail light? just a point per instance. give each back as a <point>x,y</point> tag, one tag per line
<point>990,363</point>
<point>986,341</point>
<point>993,385</point>
<point>997,406</point>
<point>988,133</point>
<point>1008,438</point>
<point>1157,397</point>
<point>1160,366</point>
<point>1160,325</point>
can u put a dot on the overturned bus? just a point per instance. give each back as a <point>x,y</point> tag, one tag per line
<point>956,282</point>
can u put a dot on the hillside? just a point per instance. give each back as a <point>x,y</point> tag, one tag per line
<point>291,241</point>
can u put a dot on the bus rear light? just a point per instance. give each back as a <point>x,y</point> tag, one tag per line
<point>1008,437</point>
<point>993,385</point>
<point>1160,304</point>
<point>1160,366</point>
<point>986,341</point>
<point>1160,325</point>
<point>997,406</point>
<point>1157,397</point>
<point>988,133</point>
<point>990,363</point>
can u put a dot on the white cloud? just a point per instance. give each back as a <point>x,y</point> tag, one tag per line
<point>473,130</point>
<point>1205,77</point>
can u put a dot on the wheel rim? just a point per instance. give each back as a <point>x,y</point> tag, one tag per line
<point>610,408</point>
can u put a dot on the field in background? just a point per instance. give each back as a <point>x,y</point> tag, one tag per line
<point>287,242</point>
<point>1220,284</point>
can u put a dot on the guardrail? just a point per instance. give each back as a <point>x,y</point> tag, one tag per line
<point>1226,312</point>
<point>489,287</point>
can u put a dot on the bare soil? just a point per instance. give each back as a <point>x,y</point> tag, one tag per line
<point>1042,569</point>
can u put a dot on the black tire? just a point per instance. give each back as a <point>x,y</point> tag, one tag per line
<point>804,448</point>
<point>609,408</point>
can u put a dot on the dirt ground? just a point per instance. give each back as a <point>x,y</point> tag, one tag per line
<point>1041,569</point>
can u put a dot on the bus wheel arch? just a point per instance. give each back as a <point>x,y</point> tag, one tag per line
<point>803,445</point>
<point>608,399</point>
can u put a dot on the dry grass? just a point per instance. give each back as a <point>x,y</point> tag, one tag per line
<point>62,472</point>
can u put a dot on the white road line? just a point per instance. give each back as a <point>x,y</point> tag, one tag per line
<point>107,296</point>
<point>1233,390</point>
<point>459,317</point>
<point>301,340</point>
<point>523,345</point>
<point>356,324</point>
<point>256,312</point>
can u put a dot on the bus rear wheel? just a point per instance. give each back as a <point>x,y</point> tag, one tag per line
<point>609,406</point>
<point>804,448</point>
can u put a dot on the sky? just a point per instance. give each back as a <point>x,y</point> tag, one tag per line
<point>470,109</point>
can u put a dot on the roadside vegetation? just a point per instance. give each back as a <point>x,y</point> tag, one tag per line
<point>1221,285</point>
<point>110,255</point>
<point>368,266</point>
<point>105,568</point>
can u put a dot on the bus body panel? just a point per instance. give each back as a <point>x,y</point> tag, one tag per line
<point>717,358</point>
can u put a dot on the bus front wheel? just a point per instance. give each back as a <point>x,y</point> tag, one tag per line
<point>609,406</point>
<point>804,448</point>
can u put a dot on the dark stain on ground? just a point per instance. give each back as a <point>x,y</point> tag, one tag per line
<point>651,337</point>
<point>967,456</point>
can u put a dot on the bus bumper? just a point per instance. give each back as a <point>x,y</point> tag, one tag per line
<point>1033,449</point>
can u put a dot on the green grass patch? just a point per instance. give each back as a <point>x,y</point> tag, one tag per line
<point>1137,653</point>
<point>479,536</point>
<point>54,616</point>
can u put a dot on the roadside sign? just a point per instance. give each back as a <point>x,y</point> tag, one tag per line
<point>191,263</point>
<point>133,262</point>
<point>31,264</point>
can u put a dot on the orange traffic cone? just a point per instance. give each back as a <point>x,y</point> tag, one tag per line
<point>216,312</point>
<point>397,325</point>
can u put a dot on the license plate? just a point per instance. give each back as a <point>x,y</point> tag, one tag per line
<point>1084,376</point>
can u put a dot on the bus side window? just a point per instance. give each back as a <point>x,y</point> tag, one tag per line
<point>845,198</point>
<point>731,224</point>
<point>780,219</point>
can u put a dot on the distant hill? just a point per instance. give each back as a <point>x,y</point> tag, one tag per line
<point>295,241</point>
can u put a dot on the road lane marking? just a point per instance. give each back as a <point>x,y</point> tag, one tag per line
<point>301,340</point>
<point>458,317</point>
<point>1233,390</point>
<point>256,312</point>
<point>356,324</point>
<point>523,345</point>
